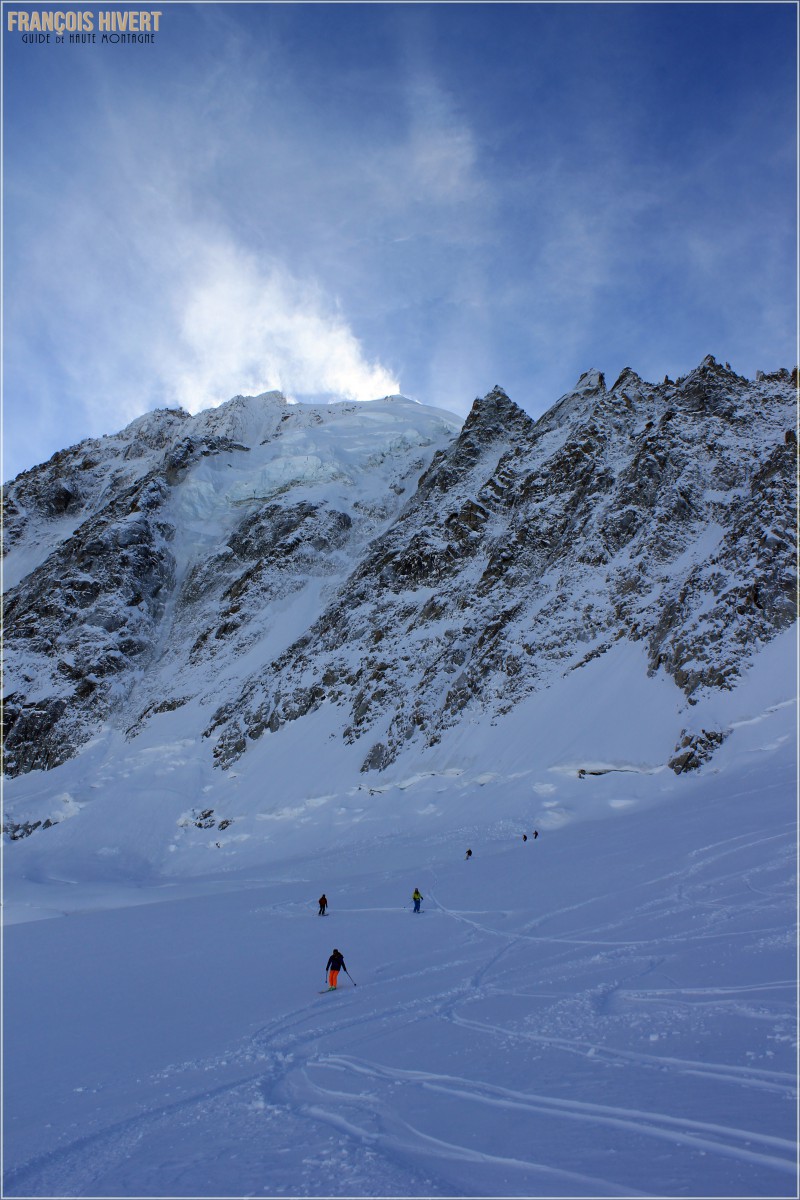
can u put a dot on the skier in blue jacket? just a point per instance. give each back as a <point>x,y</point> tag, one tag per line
<point>335,965</point>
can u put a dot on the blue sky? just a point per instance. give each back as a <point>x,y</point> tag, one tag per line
<point>367,198</point>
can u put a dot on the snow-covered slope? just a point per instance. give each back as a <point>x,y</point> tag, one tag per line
<point>607,1010</point>
<point>274,650</point>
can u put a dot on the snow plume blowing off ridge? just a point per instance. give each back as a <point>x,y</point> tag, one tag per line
<point>266,330</point>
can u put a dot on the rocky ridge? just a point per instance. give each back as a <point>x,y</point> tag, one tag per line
<point>662,514</point>
<point>265,559</point>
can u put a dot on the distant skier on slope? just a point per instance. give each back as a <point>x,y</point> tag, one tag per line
<point>417,897</point>
<point>336,964</point>
<point>524,837</point>
<point>323,904</point>
<point>468,856</point>
<point>535,834</point>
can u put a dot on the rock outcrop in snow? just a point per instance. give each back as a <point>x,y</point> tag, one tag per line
<point>266,559</point>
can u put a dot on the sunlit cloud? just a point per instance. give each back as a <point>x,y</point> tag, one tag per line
<point>257,328</point>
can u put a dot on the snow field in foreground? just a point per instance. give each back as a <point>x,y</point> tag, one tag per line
<point>607,1011</point>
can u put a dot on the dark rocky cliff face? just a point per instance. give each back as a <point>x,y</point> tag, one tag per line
<point>661,514</point>
<point>80,623</point>
<point>448,576</point>
<point>151,562</point>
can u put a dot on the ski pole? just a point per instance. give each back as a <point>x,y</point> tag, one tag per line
<point>350,977</point>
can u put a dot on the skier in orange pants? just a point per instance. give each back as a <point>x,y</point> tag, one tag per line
<point>336,964</point>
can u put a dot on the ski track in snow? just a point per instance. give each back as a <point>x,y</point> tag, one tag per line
<point>653,1124</point>
<point>624,1033</point>
<point>302,1085</point>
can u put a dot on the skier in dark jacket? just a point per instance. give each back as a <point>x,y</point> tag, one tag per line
<point>335,965</point>
<point>323,904</point>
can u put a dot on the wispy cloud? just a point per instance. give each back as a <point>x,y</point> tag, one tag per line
<point>137,289</point>
<point>360,200</point>
<point>438,156</point>
<point>255,239</point>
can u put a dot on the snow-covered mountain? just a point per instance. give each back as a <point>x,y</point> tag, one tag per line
<point>275,650</point>
<point>158,565</point>
<point>265,559</point>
